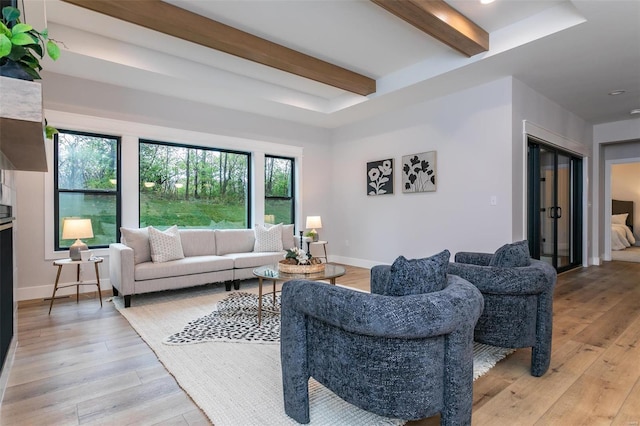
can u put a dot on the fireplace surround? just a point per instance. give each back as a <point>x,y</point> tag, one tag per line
<point>6,281</point>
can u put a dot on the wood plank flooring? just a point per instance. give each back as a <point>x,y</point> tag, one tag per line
<point>85,365</point>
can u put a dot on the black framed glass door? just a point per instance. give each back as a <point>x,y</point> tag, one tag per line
<point>554,206</point>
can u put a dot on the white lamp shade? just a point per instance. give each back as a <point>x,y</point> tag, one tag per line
<point>74,228</point>
<point>314,222</point>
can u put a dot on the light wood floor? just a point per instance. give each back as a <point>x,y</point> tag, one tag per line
<point>85,364</point>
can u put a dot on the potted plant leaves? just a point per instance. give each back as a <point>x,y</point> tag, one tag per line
<point>22,47</point>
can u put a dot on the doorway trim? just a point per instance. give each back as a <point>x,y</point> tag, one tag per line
<point>607,201</point>
<point>530,129</point>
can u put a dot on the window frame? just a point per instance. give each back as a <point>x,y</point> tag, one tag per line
<point>292,176</point>
<point>208,148</point>
<point>57,191</point>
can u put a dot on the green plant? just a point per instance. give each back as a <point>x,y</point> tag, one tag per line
<point>24,45</point>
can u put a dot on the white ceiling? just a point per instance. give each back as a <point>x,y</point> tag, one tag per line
<point>572,52</point>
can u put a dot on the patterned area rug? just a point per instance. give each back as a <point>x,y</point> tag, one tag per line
<point>233,320</point>
<point>240,384</point>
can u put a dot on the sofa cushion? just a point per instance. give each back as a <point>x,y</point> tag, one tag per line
<point>512,255</point>
<point>234,241</point>
<point>253,260</point>
<point>138,240</point>
<point>288,239</point>
<point>181,267</point>
<point>268,239</point>
<point>418,276</point>
<point>198,242</point>
<point>165,245</point>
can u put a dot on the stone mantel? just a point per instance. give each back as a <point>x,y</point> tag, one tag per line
<point>21,126</point>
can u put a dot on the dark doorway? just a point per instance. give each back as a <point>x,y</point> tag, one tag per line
<point>554,205</point>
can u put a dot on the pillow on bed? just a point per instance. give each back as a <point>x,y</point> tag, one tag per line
<point>619,219</point>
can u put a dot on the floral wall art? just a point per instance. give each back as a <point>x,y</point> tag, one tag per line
<point>419,172</point>
<point>380,177</point>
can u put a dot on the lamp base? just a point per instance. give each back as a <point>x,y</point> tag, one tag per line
<point>74,250</point>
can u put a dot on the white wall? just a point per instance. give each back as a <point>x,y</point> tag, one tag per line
<point>471,132</point>
<point>543,118</point>
<point>83,105</point>
<point>478,136</point>
<point>625,185</point>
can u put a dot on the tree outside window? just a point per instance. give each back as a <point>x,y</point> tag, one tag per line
<point>193,187</point>
<point>86,185</point>
<point>279,206</point>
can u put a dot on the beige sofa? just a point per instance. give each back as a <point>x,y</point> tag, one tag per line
<point>210,256</point>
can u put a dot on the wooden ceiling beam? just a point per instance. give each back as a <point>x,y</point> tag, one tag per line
<point>441,21</point>
<point>168,19</point>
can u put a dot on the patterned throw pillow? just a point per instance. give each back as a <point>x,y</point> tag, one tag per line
<point>165,245</point>
<point>418,276</point>
<point>268,239</point>
<point>512,255</point>
<point>138,240</point>
<point>288,240</point>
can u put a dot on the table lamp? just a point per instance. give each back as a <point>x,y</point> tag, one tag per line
<point>76,228</point>
<point>314,222</point>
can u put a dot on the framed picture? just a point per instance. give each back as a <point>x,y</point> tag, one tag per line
<point>380,177</point>
<point>419,172</point>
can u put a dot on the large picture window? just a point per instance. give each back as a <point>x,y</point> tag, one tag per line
<point>86,172</point>
<point>193,186</point>
<point>279,203</point>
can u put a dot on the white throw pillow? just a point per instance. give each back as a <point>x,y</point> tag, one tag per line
<point>288,241</point>
<point>165,245</point>
<point>138,240</point>
<point>287,237</point>
<point>620,219</point>
<point>268,239</point>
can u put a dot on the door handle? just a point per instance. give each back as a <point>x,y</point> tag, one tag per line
<point>558,212</point>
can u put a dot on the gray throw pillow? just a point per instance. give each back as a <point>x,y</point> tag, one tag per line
<point>512,255</point>
<point>138,240</point>
<point>418,276</point>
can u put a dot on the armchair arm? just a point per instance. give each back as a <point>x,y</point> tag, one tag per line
<point>380,279</point>
<point>406,317</point>
<point>121,268</point>
<point>534,279</point>
<point>482,259</point>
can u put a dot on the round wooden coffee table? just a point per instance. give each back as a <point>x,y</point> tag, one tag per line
<point>271,273</point>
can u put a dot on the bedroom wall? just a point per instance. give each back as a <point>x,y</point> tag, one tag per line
<point>471,132</point>
<point>625,185</point>
<point>90,99</point>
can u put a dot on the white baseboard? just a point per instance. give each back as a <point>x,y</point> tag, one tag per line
<point>45,291</point>
<point>361,263</point>
<point>595,261</point>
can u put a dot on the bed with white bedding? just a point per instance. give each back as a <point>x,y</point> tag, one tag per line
<point>622,225</point>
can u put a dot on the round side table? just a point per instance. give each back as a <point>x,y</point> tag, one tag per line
<point>63,262</point>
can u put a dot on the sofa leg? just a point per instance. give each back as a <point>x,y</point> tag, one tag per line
<point>127,301</point>
<point>115,290</point>
<point>236,284</point>
<point>227,285</point>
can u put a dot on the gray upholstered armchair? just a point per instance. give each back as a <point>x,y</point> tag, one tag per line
<point>518,299</point>
<point>406,357</point>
